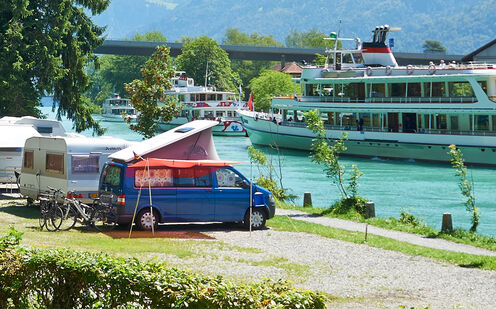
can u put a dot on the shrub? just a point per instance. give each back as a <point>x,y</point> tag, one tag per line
<point>350,205</point>
<point>58,278</point>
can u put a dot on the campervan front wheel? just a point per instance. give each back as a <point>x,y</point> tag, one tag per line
<point>258,219</point>
<point>145,219</point>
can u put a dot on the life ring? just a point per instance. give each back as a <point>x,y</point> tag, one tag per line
<point>389,70</point>
<point>369,71</point>
<point>432,69</point>
<point>409,69</point>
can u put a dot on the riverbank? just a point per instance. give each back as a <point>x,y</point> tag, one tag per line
<point>354,274</point>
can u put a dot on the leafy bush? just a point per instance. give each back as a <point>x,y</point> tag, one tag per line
<point>409,219</point>
<point>350,205</point>
<point>67,279</point>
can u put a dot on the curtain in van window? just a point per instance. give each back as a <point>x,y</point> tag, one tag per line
<point>159,177</point>
<point>226,178</point>
<point>85,164</point>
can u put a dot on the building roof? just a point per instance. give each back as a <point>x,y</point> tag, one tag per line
<point>470,57</point>
<point>290,68</point>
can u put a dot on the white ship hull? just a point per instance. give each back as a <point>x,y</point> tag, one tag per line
<point>390,145</point>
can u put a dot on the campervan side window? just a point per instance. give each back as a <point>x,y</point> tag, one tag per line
<point>228,178</point>
<point>159,177</point>
<point>85,164</point>
<point>54,163</point>
<point>28,159</point>
<point>193,177</point>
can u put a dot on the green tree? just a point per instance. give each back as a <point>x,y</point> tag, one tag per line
<point>249,69</point>
<point>200,51</point>
<point>45,48</point>
<point>115,71</point>
<point>268,84</point>
<point>310,39</point>
<point>148,95</point>
<point>466,187</point>
<point>433,46</point>
<point>326,153</point>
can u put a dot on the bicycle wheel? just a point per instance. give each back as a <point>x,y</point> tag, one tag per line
<point>67,216</point>
<point>52,224</point>
<point>42,220</point>
<point>104,220</point>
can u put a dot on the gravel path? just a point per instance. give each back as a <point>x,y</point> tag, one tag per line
<point>420,240</point>
<point>359,275</point>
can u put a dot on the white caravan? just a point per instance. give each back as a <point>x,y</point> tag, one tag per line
<point>13,134</point>
<point>66,163</point>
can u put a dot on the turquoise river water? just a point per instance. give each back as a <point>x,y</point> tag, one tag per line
<point>424,189</point>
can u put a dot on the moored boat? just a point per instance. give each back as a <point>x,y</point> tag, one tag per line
<point>205,103</point>
<point>116,108</point>
<point>387,110</point>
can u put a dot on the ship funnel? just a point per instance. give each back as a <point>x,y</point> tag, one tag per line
<point>377,53</point>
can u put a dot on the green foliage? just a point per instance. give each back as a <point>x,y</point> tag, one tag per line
<point>249,69</point>
<point>200,51</point>
<point>268,177</point>
<point>350,206</point>
<point>268,84</point>
<point>408,218</point>
<point>12,239</point>
<point>45,48</point>
<point>148,96</point>
<point>310,39</point>
<point>466,187</point>
<point>433,46</point>
<point>67,279</point>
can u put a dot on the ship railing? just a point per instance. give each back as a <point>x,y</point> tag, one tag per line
<point>300,124</point>
<point>328,99</point>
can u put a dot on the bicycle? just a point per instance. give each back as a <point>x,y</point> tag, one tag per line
<point>48,209</point>
<point>100,215</point>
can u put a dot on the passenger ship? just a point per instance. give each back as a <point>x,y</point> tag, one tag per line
<point>388,111</point>
<point>116,108</point>
<point>201,102</point>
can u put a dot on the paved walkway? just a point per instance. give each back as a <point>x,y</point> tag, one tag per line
<point>415,239</point>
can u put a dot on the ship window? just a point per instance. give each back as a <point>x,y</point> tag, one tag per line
<point>460,89</point>
<point>441,121</point>
<point>229,114</point>
<point>376,120</point>
<point>494,123</point>
<point>438,89</point>
<point>349,120</point>
<point>85,164</point>
<point>54,163</point>
<point>414,90</point>
<point>211,97</point>
<point>354,90</point>
<point>202,97</point>
<point>310,90</point>
<point>398,90</point>
<point>181,98</point>
<point>193,97</point>
<point>219,114</point>
<point>454,122</point>
<point>366,120</point>
<point>28,159</point>
<point>219,96</point>
<point>378,91</point>
<point>482,122</point>
<point>483,85</point>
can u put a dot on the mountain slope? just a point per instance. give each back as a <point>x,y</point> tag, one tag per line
<point>461,26</point>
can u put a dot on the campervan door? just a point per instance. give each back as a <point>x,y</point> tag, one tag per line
<point>66,163</point>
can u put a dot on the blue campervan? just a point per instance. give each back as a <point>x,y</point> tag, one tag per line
<point>183,191</point>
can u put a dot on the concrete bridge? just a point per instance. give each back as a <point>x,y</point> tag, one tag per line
<point>242,52</point>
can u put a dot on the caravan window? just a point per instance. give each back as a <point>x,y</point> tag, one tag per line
<point>54,163</point>
<point>28,159</point>
<point>85,164</point>
<point>159,177</point>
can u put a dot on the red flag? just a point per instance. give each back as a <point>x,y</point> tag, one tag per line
<point>250,102</point>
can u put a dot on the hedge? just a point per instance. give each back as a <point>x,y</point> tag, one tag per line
<point>61,278</point>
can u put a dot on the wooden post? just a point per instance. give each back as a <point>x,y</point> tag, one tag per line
<point>447,225</point>
<point>307,199</point>
<point>369,210</point>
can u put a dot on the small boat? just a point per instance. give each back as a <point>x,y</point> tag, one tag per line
<point>205,103</point>
<point>116,108</point>
<point>387,110</point>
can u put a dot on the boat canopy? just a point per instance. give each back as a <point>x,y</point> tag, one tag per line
<point>190,141</point>
<point>154,162</point>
